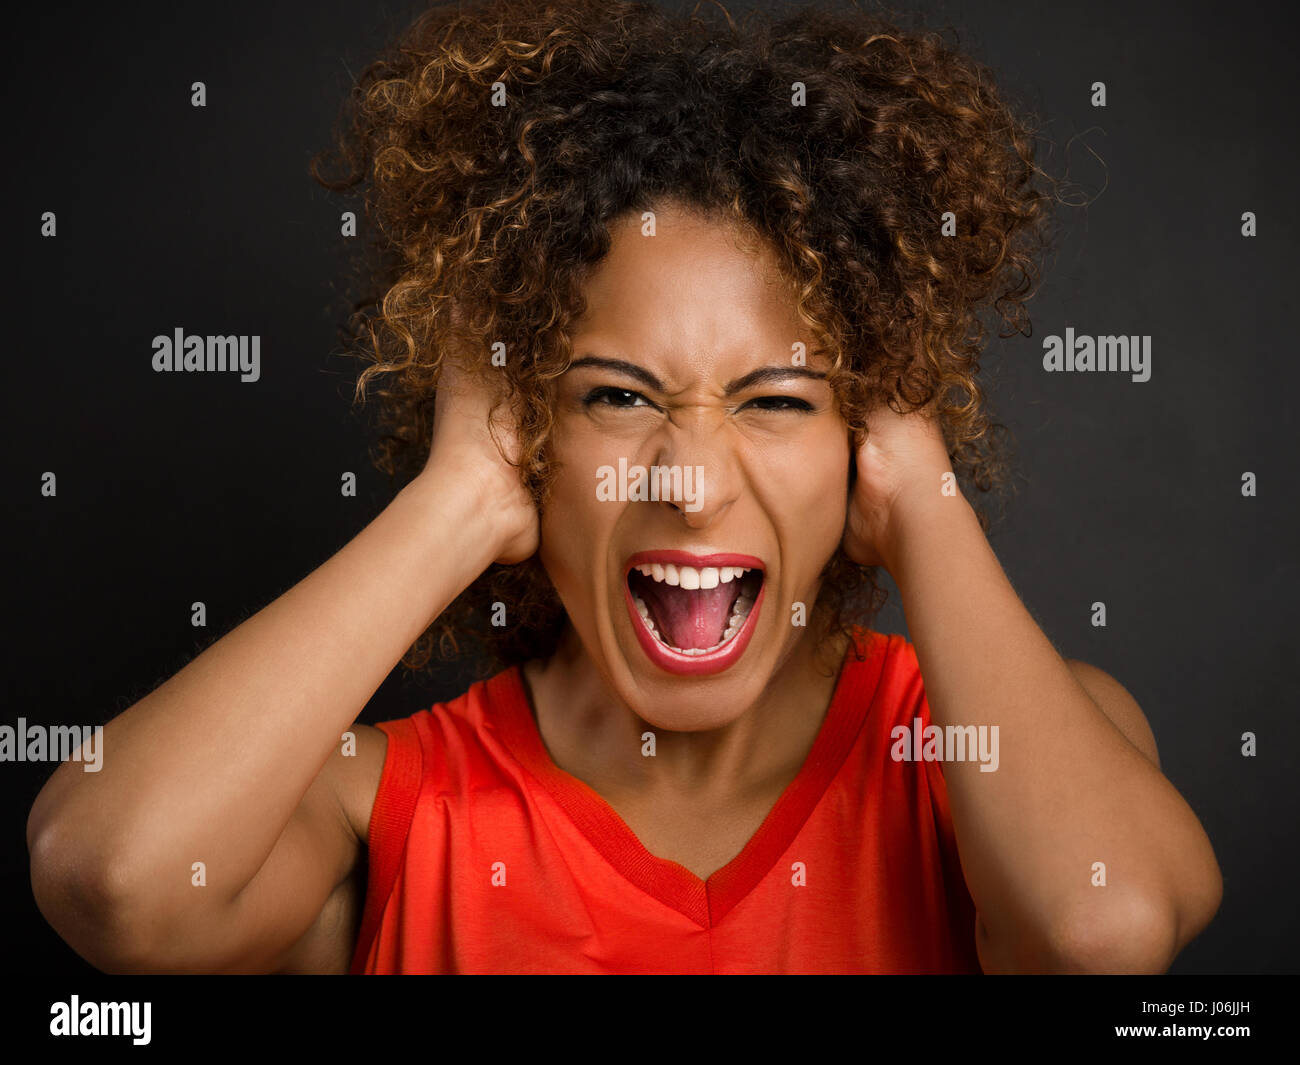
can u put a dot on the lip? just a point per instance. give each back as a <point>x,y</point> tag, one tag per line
<point>693,665</point>
<point>685,558</point>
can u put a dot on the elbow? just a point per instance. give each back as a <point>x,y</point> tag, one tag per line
<point>1128,928</point>
<point>1134,932</point>
<point>1132,935</point>
<point>1202,900</point>
<point>87,901</point>
<point>1091,939</point>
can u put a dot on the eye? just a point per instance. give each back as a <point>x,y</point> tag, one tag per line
<point>780,403</point>
<point>615,397</point>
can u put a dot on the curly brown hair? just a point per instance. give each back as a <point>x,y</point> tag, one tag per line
<point>496,142</point>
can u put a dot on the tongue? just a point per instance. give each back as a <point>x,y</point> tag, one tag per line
<point>689,619</point>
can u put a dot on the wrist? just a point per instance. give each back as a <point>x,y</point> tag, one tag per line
<point>461,508</point>
<point>919,525</point>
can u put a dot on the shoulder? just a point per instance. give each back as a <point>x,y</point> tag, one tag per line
<point>1111,697</point>
<point>401,747</point>
<point>1114,700</point>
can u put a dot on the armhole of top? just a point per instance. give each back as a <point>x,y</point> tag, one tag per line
<point>936,783</point>
<point>954,876</point>
<point>390,824</point>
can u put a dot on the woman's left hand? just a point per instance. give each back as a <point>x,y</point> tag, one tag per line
<point>900,478</point>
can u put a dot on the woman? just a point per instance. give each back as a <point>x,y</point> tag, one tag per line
<point>700,305</point>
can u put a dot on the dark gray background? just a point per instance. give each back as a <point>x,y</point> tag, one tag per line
<point>180,487</point>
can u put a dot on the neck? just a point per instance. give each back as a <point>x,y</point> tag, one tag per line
<point>593,736</point>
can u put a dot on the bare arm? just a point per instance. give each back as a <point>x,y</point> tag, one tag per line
<point>1074,786</point>
<point>222,763</point>
<point>1078,781</point>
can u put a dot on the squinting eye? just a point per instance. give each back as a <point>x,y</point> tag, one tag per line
<point>780,403</point>
<point>615,397</point>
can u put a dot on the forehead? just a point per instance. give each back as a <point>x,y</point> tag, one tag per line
<point>695,287</point>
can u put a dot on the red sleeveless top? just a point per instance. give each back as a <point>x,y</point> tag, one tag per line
<point>486,857</point>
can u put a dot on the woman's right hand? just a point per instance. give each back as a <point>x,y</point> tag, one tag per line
<point>463,450</point>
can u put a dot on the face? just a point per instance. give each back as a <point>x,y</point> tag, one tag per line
<point>702,473</point>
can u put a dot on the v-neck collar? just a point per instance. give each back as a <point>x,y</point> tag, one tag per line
<point>705,902</point>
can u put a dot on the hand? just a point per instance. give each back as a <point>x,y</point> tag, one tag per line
<point>464,451</point>
<point>900,468</point>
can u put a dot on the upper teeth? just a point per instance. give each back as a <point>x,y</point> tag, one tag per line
<point>691,578</point>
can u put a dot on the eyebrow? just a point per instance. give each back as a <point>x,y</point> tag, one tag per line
<point>764,375</point>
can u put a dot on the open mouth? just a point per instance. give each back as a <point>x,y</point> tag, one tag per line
<point>694,610</point>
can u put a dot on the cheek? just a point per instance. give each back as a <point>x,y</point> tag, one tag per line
<point>815,473</point>
<point>807,494</point>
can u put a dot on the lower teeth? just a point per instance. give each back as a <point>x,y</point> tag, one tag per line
<point>739,612</point>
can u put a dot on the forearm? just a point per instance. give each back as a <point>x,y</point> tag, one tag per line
<point>1069,790</point>
<point>212,764</point>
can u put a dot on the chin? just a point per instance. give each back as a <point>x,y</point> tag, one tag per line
<point>692,710</point>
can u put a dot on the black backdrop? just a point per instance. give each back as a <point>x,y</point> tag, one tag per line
<point>184,487</point>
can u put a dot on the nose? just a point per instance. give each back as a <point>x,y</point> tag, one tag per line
<point>698,449</point>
